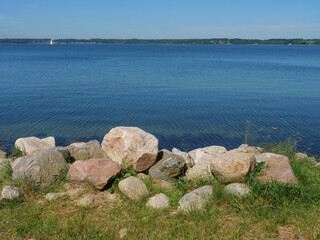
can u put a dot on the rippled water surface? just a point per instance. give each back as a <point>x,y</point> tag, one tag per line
<point>187,95</point>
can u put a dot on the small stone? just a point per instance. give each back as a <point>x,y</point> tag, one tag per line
<point>237,189</point>
<point>3,154</point>
<point>54,196</point>
<point>301,156</point>
<point>142,176</point>
<point>123,232</point>
<point>75,192</point>
<point>9,192</point>
<point>158,201</point>
<point>261,149</point>
<point>162,184</point>
<point>243,146</point>
<point>85,200</point>
<point>249,149</point>
<point>133,188</point>
<point>67,186</point>
<point>112,197</point>
<point>196,199</point>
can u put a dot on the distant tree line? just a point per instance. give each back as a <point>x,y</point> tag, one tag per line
<point>278,41</point>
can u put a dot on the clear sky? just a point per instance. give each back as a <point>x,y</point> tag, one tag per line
<point>159,18</point>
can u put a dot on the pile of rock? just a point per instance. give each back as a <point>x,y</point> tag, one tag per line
<point>132,148</point>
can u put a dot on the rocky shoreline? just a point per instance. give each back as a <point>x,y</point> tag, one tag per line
<point>131,148</point>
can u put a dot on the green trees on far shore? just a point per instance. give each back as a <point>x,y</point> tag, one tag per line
<point>295,41</point>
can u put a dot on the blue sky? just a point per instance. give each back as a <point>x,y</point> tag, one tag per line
<point>160,19</point>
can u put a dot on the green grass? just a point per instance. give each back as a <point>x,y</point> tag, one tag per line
<point>264,214</point>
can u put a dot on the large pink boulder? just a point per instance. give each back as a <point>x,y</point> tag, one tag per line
<point>131,147</point>
<point>277,169</point>
<point>98,171</point>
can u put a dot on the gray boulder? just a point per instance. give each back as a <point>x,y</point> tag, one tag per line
<point>9,192</point>
<point>185,155</point>
<point>168,168</point>
<point>39,168</point>
<point>133,188</point>
<point>84,151</point>
<point>196,199</point>
<point>301,156</point>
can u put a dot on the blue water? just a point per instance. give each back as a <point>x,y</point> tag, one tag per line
<point>187,95</point>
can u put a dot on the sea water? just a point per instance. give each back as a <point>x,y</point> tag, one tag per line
<point>188,96</point>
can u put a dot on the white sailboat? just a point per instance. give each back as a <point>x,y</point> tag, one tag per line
<point>51,43</point>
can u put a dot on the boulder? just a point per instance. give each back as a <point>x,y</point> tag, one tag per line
<point>168,168</point>
<point>301,156</point>
<point>200,154</point>
<point>49,140</point>
<point>249,149</point>
<point>63,150</point>
<point>54,196</point>
<point>84,151</point>
<point>158,201</point>
<point>131,147</point>
<point>277,168</point>
<point>243,146</point>
<point>9,192</point>
<point>263,157</point>
<point>185,155</point>
<point>31,145</point>
<point>133,188</point>
<point>196,199</point>
<point>201,170</point>
<point>98,171</point>
<point>39,168</point>
<point>237,189</point>
<point>232,166</point>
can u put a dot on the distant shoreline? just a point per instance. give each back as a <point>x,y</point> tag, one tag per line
<point>212,41</point>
